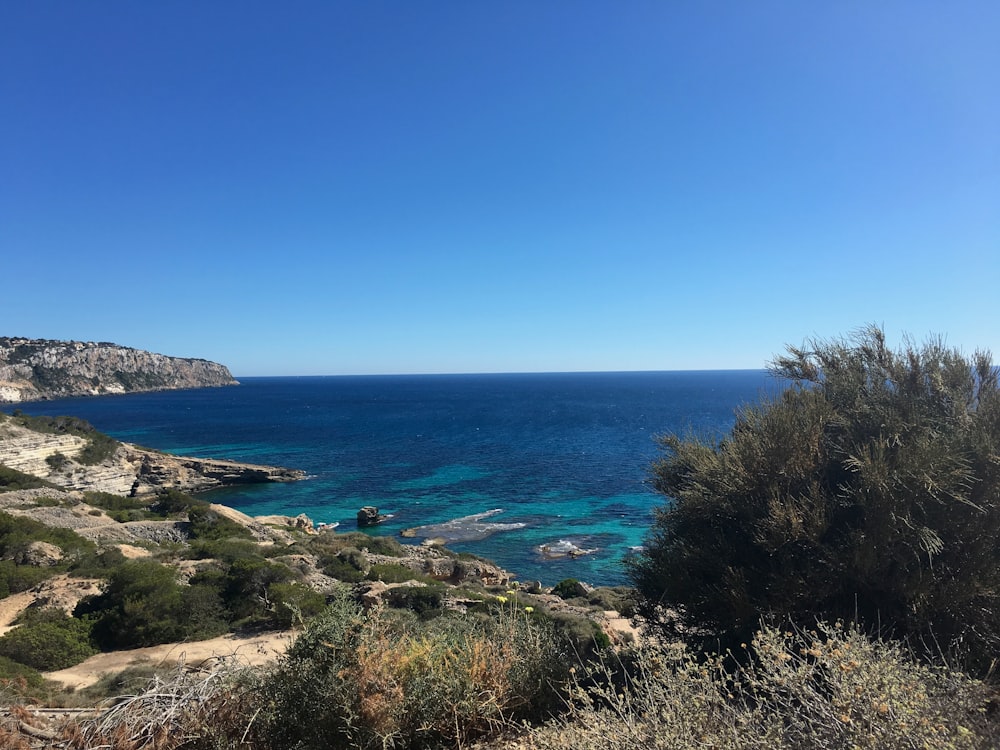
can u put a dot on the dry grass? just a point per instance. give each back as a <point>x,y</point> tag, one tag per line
<point>822,688</point>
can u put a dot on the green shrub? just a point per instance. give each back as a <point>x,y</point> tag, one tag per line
<point>618,598</point>
<point>386,681</point>
<point>12,479</point>
<point>377,545</point>
<point>16,578</point>
<point>119,507</point>
<point>99,447</point>
<point>208,524</point>
<point>246,585</point>
<point>48,640</point>
<point>227,550</point>
<point>20,680</point>
<point>869,488</point>
<point>293,604</point>
<point>56,461</point>
<point>426,601</point>
<point>170,502</point>
<point>142,605</point>
<point>97,563</point>
<point>109,501</point>
<point>18,532</point>
<point>349,565</point>
<point>49,502</point>
<point>202,613</point>
<point>568,588</point>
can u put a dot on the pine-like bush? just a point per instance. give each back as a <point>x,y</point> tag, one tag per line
<point>869,490</point>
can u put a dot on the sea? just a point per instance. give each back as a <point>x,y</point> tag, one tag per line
<point>548,475</point>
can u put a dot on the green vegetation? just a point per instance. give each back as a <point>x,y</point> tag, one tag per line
<point>568,588</point>
<point>867,491</point>
<point>122,509</point>
<point>385,680</point>
<point>48,639</point>
<point>209,525</point>
<point>12,479</point>
<point>17,537</point>
<point>97,448</point>
<point>56,461</point>
<point>396,573</point>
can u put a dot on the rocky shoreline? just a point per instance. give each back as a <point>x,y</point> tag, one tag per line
<point>126,469</point>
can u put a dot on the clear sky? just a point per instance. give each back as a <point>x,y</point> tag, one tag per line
<point>377,187</point>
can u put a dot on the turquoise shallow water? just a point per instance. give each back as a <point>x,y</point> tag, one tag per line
<point>564,456</point>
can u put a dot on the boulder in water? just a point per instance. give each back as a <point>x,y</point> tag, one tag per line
<point>369,516</point>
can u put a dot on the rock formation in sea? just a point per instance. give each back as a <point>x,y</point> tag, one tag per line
<point>38,369</point>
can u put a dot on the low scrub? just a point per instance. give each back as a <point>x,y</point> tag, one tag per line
<point>12,479</point>
<point>827,687</point>
<point>382,679</point>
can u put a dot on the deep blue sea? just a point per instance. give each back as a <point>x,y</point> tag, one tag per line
<point>565,457</point>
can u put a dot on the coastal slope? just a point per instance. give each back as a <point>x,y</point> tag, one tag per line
<point>39,369</point>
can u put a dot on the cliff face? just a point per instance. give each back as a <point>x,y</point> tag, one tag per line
<point>37,369</point>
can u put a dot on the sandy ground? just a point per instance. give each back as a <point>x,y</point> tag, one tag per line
<point>250,650</point>
<point>622,627</point>
<point>11,606</point>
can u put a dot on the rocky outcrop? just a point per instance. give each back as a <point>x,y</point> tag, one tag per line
<point>152,471</point>
<point>127,470</point>
<point>37,369</point>
<point>369,516</point>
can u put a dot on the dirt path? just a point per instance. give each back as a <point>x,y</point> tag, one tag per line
<point>250,650</point>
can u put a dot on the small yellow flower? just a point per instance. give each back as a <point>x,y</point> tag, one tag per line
<point>529,610</point>
<point>502,599</point>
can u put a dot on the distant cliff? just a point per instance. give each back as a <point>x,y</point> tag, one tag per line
<point>37,369</point>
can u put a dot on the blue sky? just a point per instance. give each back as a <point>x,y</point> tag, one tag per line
<point>376,187</point>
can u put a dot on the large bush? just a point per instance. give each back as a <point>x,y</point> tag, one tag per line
<point>142,605</point>
<point>48,640</point>
<point>868,489</point>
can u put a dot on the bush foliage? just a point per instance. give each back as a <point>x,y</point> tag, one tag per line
<point>380,679</point>
<point>48,639</point>
<point>869,489</point>
<point>829,687</point>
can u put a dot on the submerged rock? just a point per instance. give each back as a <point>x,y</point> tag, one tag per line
<point>563,548</point>
<point>465,529</point>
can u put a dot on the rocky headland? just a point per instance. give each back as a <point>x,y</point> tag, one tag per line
<point>39,369</point>
<point>66,457</point>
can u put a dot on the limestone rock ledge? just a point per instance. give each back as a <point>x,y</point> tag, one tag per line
<point>152,471</point>
<point>128,470</point>
<point>37,369</point>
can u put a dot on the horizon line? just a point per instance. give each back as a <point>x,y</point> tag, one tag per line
<point>504,372</point>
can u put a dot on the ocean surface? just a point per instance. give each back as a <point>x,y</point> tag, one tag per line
<point>528,463</point>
